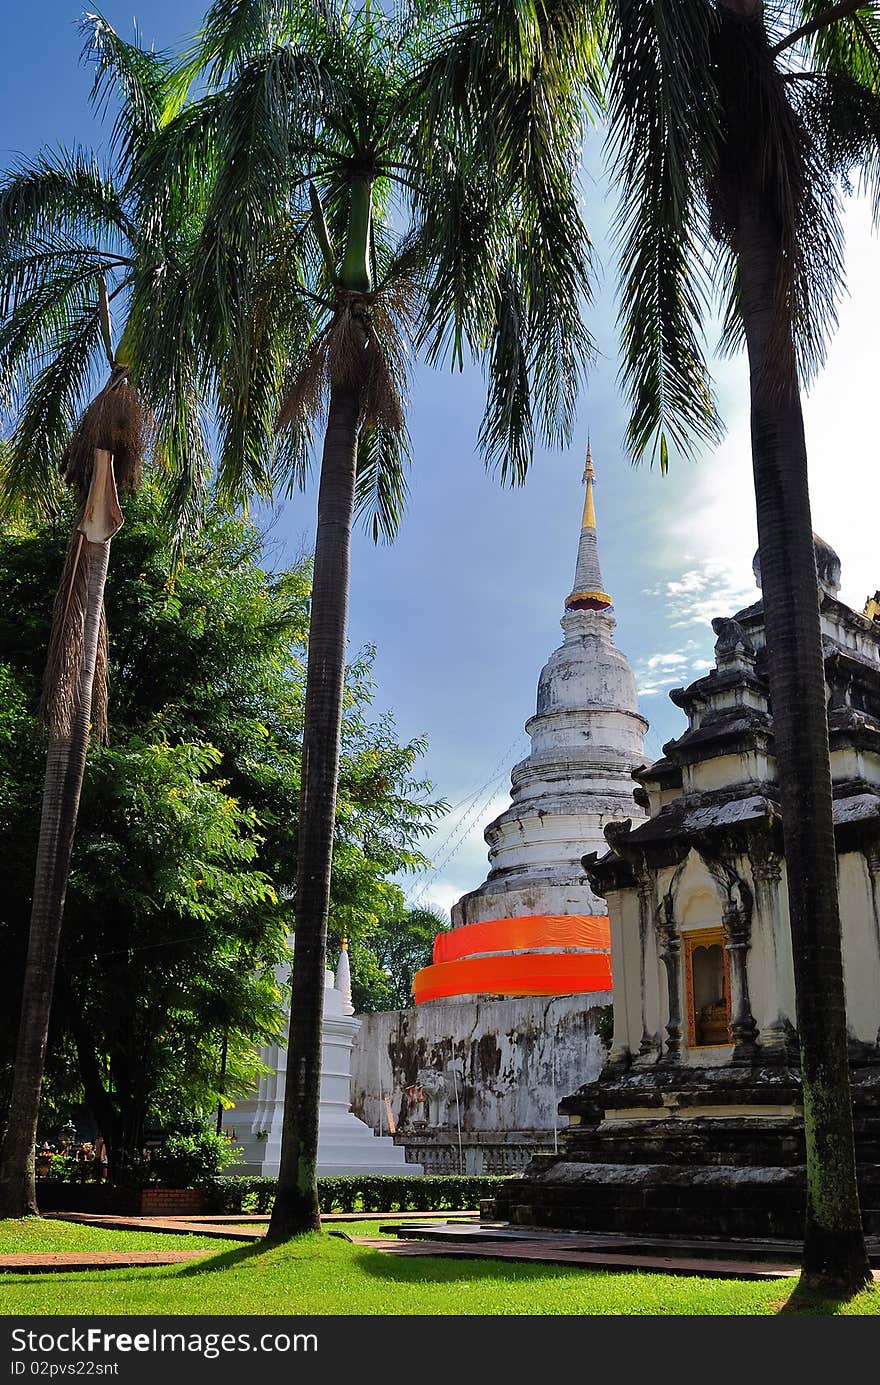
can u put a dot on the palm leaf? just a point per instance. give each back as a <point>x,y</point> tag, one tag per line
<point>662,145</point>
<point>381,487</point>
<point>136,83</point>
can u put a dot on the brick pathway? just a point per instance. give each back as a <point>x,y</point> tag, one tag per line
<point>47,1261</point>
<point>228,1228</point>
<point>499,1241</point>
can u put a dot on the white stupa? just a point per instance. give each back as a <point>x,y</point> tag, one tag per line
<point>345,1144</point>
<point>535,927</point>
<point>587,737</point>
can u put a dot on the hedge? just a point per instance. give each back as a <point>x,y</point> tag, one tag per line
<point>362,1193</point>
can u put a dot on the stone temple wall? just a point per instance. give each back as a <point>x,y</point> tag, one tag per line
<point>507,1061</point>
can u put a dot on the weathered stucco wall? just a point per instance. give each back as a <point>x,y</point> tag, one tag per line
<point>509,1061</point>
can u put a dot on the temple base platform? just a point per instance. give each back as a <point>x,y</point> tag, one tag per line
<point>685,1151</point>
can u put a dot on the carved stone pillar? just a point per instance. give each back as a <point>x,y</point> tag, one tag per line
<point>670,955</point>
<point>737,933</point>
<point>649,1045</point>
<point>872,858</point>
<point>775,1037</point>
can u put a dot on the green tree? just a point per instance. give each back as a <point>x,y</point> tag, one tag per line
<point>377,178</point>
<point>386,958</point>
<point>733,128</point>
<point>178,903</point>
<point>71,234</point>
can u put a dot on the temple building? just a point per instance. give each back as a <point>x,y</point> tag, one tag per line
<point>695,1124</point>
<point>511,1014</point>
<point>535,926</point>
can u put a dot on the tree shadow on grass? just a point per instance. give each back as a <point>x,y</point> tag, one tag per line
<point>446,1269</point>
<point>227,1259</point>
<point>807,1301</point>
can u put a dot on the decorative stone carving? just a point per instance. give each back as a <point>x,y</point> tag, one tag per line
<point>733,647</point>
<point>736,917</point>
<point>670,955</point>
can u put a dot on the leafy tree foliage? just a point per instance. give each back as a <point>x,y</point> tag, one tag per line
<point>384,962</point>
<point>179,904</point>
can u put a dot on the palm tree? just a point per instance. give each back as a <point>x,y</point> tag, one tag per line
<point>70,239</point>
<point>731,126</point>
<point>379,180</point>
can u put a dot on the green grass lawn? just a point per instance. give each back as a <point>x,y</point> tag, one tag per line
<point>323,1274</point>
<point>35,1235</point>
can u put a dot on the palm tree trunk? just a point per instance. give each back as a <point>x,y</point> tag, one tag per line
<point>296,1207</point>
<point>65,765</point>
<point>834,1248</point>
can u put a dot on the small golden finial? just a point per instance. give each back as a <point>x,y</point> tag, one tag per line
<point>589,516</point>
<point>344,943</point>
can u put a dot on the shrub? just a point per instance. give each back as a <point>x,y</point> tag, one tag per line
<point>363,1193</point>
<point>191,1160</point>
<point>66,1168</point>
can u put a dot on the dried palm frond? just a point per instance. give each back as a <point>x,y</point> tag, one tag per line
<point>64,659</point>
<point>99,684</point>
<point>118,422</point>
<point>362,348</point>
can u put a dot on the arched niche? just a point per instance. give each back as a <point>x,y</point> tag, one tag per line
<point>705,959</point>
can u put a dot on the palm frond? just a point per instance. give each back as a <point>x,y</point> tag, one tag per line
<point>507,433</point>
<point>500,108</point>
<point>844,115</point>
<point>137,83</point>
<point>769,156</point>
<point>235,32</point>
<point>55,401</point>
<point>39,323</point>
<point>381,486</point>
<point>848,44</point>
<point>662,144</point>
<point>273,103</point>
<point>61,193</point>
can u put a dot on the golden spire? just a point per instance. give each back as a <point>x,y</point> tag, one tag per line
<point>589,517</point>
<point>588,594</point>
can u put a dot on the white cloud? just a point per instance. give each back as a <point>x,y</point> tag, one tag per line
<point>711,588</point>
<point>659,672</point>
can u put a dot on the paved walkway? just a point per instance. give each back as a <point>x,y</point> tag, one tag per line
<point>551,1253</point>
<point>709,1258</point>
<point>47,1261</point>
<point>231,1228</point>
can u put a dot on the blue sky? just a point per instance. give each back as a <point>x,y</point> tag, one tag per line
<point>464,607</point>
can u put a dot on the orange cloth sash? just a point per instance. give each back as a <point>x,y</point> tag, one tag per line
<point>524,973</point>
<point>533,930</point>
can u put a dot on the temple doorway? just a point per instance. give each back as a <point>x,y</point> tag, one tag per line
<point>707,982</point>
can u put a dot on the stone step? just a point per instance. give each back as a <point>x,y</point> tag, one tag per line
<point>737,1222</point>
<point>750,1250</point>
<point>660,1198</point>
